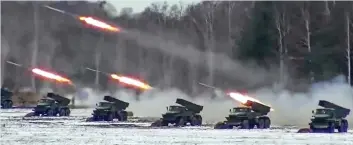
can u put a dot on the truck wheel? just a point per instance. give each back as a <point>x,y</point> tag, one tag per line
<point>341,128</point>
<point>267,123</point>
<point>198,120</point>
<point>95,118</point>
<point>245,124</point>
<point>109,117</point>
<point>50,112</point>
<point>331,128</point>
<point>67,112</point>
<point>345,125</point>
<point>9,104</point>
<point>164,123</point>
<point>180,122</point>
<point>62,112</point>
<point>123,116</point>
<point>261,124</point>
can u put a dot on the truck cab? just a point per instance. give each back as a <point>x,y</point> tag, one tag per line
<point>175,109</point>
<point>323,113</point>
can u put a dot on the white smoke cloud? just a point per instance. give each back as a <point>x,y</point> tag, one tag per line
<point>295,108</point>
<point>290,108</point>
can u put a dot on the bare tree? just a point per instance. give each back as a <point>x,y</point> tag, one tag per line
<point>348,50</point>
<point>307,38</point>
<point>35,42</point>
<point>209,17</point>
<point>283,28</point>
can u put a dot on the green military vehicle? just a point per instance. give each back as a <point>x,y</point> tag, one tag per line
<point>253,114</point>
<point>329,118</point>
<point>112,109</point>
<point>6,98</point>
<point>181,115</point>
<point>52,105</point>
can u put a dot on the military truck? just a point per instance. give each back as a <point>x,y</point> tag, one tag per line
<point>112,109</point>
<point>52,105</point>
<point>329,118</point>
<point>188,112</point>
<point>247,117</point>
<point>6,98</point>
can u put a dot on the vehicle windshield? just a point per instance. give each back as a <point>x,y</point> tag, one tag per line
<point>323,111</point>
<point>174,108</point>
<point>104,104</point>
<point>45,101</point>
<point>240,110</point>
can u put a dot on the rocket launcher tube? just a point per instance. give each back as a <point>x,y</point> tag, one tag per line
<point>339,111</point>
<point>119,104</point>
<point>189,105</point>
<point>60,99</point>
<point>258,107</point>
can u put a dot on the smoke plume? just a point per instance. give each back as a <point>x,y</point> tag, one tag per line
<point>290,108</point>
<point>295,108</point>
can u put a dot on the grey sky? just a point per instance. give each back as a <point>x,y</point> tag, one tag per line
<point>140,5</point>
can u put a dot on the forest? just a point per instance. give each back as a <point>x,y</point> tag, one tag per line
<point>228,44</point>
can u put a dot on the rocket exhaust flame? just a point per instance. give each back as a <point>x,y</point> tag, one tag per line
<point>42,73</point>
<point>131,81</point>
<point>98,24</point>
<point>244,98</point>
<point>240,97</point>
<point>125,80</point>
<point>88,20</point>
<point>51,76</point>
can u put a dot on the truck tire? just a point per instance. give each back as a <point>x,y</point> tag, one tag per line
<point>261,124</point>
<point>67,112</point>
<point>50,112</point>
<point>164,123</point>
<point>7,104</point>
<point>198,120</point>
<point>95,118</point>
<point>109,117</point>
<point>123,116</point>
<point>62,112</point>
<point>180,122</point>
<point>267,123</point>
<point>330,128</point>
<point>245,124</point>
<point>344,125</point>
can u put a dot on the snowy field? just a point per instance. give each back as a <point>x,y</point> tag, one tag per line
<point>75,131</point>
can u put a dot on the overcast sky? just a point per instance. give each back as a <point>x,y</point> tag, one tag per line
<point>140,5</point>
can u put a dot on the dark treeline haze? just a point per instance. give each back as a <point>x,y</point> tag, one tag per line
<point>255,44</point>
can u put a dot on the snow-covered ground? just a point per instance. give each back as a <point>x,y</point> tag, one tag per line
<point>75,131</point>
